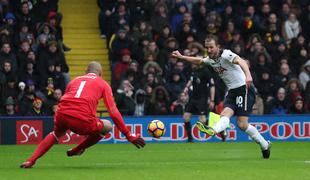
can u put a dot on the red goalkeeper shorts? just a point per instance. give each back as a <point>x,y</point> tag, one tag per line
<point>63,122</point>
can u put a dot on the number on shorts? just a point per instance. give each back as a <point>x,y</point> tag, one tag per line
<point>239,101</point>
<point>79,91</point>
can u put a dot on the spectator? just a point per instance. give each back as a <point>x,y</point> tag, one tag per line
<point>180,10</point>
<point>152,67</point>
<point>142,104</point>
<point>29,73</point>
<point>10,107</point>
<point>285,11</point>
<point>25,103</point>
<point>298,106</point>
<point>249,22</point>
<point>9,26</point>
<point>53,21</point>
<point>164,35</point>
<point>120,42</point>
<point>36,109</point>
<point>271,25</point>
<point>22,55</point>
<point>25,15</point>
<point>266,85</point>
<point>279,105</point>
<point>291,28</point>
<point>106,10</point>
<point>284,75</point>
<point>21,89</point>
<point>254,38</point>
<point>139,10</point>
<point>304,76</point>
<point>199,11</point>
<point>280,53</point>
<point>11,88</point>
<point>160,17</point>
<point>293,89</point>
<point>6,68</point>
<point>151,80</point>
<point>151,48</point>
<point>160,101</point>
<point>178,106</point>
<point>59,78</point>
<point>33,88</point>
<point>120,16</point>
<point>6,54</point>
<point>43,7</point>
<point>228,14</point>
<point>53,56</point>
<point>122,65</point>
<point>226,36</point>
<point>124,98</point>
<point>175,85</point>
<point>52,101</point>
<point>142,31</point>
<point>170,45</point>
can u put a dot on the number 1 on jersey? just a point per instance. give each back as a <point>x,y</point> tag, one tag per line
<point>79,91</point>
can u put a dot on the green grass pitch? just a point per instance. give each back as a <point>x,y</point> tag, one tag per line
<point>220,161</point>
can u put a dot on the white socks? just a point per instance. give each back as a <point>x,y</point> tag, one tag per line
<point>221,125</point>
<point>256,136</point>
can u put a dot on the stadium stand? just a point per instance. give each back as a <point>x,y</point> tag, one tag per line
<point>271,35</point>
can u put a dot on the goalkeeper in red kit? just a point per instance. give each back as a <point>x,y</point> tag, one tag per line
<point>77,112</point>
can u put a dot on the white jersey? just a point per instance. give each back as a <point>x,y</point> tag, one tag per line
<point>231,73</point>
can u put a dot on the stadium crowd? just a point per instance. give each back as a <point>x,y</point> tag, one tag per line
<point>272,36</point>
<point>33,69</point>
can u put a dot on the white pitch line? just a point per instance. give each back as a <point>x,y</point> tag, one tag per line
<point>167,163</point>
<point>308,162</point>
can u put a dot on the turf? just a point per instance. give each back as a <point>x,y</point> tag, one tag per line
<point>220,161</point>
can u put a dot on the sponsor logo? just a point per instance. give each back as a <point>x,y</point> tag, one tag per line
<point>71,138</point>
<point>29,132</point>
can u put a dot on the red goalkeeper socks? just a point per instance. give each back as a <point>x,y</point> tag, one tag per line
<point>43,147</point>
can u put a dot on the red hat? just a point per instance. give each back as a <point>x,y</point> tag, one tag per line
<point>37,100</point>
<point>51,14</point>
<point>125,52</point>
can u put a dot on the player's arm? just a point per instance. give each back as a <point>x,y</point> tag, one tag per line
<point>194,60</point>
<point>245,68</point>
<point>187,86</point>
<point>117,117</point>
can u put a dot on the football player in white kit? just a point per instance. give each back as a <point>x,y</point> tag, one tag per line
<point>240,98</point>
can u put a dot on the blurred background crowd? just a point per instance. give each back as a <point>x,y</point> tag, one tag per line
<point>33,69</point>
<point>272,36</point>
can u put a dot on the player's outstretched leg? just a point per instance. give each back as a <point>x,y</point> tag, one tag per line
<point>243,124</point>
<point>42,148</point>
<point>205,128</point>
<point>89,141</point>
<point>266,152</point>
<point>220,126</point>
<point>223,135</point>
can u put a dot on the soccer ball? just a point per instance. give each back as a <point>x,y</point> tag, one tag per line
<point>156,128</point>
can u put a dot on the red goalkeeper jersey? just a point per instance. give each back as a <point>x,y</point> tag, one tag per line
<point>82,96</point>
